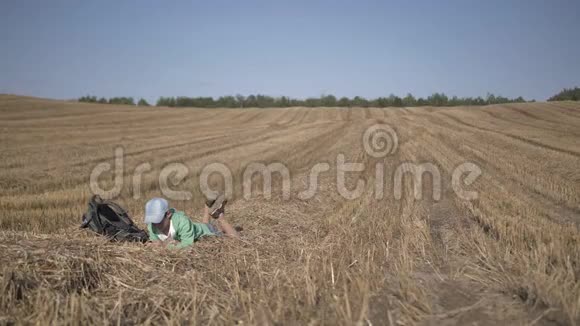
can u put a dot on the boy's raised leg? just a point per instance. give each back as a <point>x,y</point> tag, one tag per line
<point>226,227</point>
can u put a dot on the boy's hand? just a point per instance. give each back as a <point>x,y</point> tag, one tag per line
<point>154,244</point>
<point>163,244</point>
<point>170,242</point>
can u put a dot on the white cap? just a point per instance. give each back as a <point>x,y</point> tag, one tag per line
<point>155,210</point>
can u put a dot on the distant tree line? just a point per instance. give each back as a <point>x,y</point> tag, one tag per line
<point>264,101</point>
<point>572,94</point>
<point>113,100</point>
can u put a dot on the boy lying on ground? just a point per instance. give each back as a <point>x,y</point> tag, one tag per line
<point>172,228</point>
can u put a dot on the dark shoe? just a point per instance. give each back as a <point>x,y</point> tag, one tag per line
<point>218,206</point>
<point>209,203</point>
<point>210,199</point>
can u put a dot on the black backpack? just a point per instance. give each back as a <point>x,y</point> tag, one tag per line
<point>111,220</point>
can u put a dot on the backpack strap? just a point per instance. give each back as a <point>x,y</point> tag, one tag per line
<point>92,214</point>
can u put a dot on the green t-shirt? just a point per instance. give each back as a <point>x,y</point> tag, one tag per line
<point>186,231</point>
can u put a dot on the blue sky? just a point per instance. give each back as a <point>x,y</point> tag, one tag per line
<point>65,49</point>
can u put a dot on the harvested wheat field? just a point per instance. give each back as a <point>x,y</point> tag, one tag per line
<point>508,257</point>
